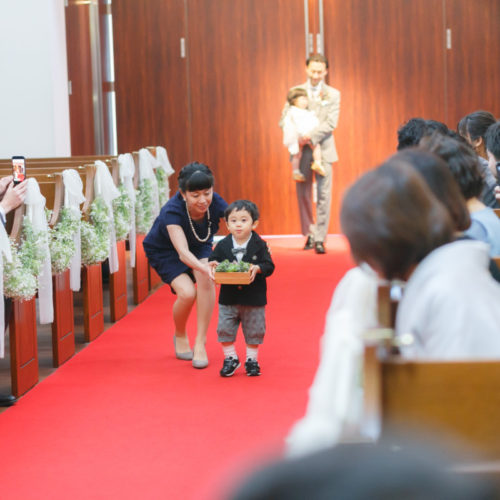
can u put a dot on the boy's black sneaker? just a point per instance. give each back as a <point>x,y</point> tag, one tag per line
<point>252,367</point>
<point>229,367</point>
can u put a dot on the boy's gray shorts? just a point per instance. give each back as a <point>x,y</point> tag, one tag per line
<point>252,319</point>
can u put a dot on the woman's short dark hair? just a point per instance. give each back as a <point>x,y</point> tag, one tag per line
<point>462,161</point>
<point>392,220</point>
<point>441,182</point>
<point>195,177</point>
<point>247,205</point>
<point>475,124</point>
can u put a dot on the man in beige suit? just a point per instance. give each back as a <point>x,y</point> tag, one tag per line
<point>325,102</point>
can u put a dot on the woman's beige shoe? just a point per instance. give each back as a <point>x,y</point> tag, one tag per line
<point>185,356</point>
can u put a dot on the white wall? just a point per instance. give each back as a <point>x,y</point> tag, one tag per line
<point>34,107</point>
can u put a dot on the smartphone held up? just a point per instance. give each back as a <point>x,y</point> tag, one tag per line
<point>18,169</point>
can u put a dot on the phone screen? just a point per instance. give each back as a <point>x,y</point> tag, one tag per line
<point>18,169</point>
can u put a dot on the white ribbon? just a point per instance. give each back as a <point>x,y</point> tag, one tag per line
<point>105,187</point>
<point>73,198</point>
<point>127,170</point>
<point>4,251</point>
<point>164,163</point>
<point>147,164</point>
<point>35,211</point>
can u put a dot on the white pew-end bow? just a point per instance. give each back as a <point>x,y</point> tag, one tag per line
<point>73,198</point>
<point>35,211</point>
<point>127,169</point>
<point>164,162</point>
<point>147,164</point>
<point>4,252</point>
<point>105,187</point>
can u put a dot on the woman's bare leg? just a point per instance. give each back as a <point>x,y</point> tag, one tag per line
<point>205,303</point>
<point>186,295</point>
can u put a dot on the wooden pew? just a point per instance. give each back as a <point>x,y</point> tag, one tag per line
<point>141,269</point>
<point>118,280</point>
<point>455,400</point>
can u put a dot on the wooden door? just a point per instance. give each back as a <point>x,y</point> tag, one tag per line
<point>472,59</point>
<point>78,44</point>
<point>150,78</point>
<point>243,57</point>
<point>387,59</point>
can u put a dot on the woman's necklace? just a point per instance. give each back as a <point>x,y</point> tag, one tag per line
<point>201,240</point>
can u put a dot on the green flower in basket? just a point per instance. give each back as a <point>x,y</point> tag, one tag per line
<point>95,234</point>
<point>144,207</point>
<point>122,212</point>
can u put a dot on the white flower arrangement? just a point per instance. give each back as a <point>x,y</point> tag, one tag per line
<point>162,180</point>
<point>62,245</point>
<point>20,278</point>
<point>95,235</point>
<point>122,212</point>
<point>144,207</point>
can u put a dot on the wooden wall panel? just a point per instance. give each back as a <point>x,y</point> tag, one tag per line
<point>80,75</point>
<point>151,84</point>
<point>473,62</point>
<point>243,57</point>
<point>387,59</point>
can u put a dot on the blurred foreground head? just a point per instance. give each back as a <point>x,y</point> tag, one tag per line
<point>392,220</point>
<point>364,472</point>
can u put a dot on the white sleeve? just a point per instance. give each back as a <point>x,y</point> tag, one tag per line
<point>290,135</point>
<point>335,396</point>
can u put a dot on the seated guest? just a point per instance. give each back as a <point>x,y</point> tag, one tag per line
<point>464,166</point>
<point>492,138</point>
<point>472,128</point>
<point>440,180</point>
<point>410,133</point>
<point>450,302</point>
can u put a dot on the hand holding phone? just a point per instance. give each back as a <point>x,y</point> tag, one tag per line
<point>18,169</point>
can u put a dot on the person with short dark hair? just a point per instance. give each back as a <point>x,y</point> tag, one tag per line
<point>298,122</point>
<point>450,301</point>
<point>324,101</point>
<point>178,246</point>
<point>243,304</point>
<point>464,165</point>
<point>472,128</point>
<point>410,133</point>
<point>492,141</point>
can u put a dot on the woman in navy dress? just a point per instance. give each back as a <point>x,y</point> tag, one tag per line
<point>178,246</point>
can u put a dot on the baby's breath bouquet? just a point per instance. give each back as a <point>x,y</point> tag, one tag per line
<point>122,212</point>
<point>62,245</point>
<point>95,234</point>
<point>20,276</point>
<point>144,207</point>
<point>162,180</point>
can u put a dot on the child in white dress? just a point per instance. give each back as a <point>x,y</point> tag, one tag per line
<point>299,122</point>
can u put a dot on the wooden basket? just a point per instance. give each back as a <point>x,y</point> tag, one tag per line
<point>241,278</point>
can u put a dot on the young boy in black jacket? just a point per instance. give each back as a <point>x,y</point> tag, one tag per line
<point>243,304</point>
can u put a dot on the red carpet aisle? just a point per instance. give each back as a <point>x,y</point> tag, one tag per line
<point>125,420</point>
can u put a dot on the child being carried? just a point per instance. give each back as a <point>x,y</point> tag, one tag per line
<point>299,122</point>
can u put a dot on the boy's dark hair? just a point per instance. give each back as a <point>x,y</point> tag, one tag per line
<point>475,124</point>
<point>295,93</point>
<point>392,220</point>
<point>195,176</point>
<point>462,161</point>
<point>247,205</point>
<point>411,132</point>
<point>317,58</point>
<point>492,139</point>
